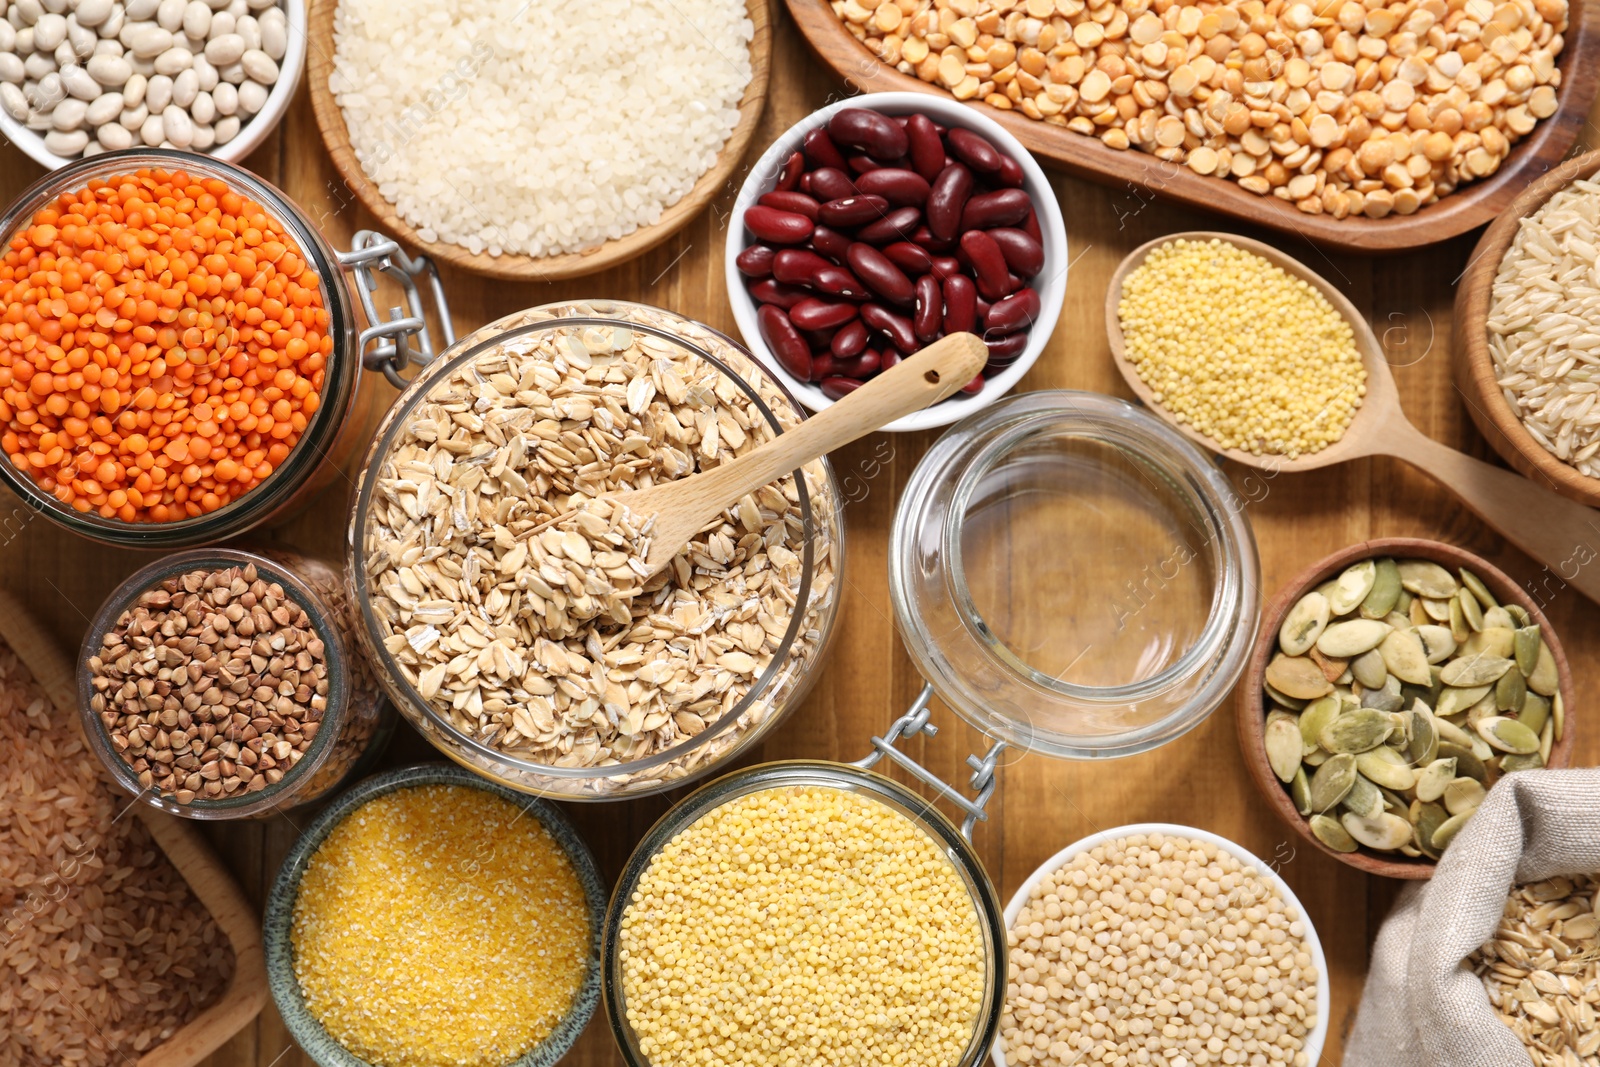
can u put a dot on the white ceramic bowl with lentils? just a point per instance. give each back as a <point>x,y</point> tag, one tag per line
<point>1281,920</point>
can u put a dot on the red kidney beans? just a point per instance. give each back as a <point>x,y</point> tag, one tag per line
<point>797,266</point>
<point>1003,207</point>
<point>960,304</point>
<point>1023,254</point>
<point>897,328</point>
<point>875,134</point>
<point>928,320</point>
<point>897,225</point>
<point>1015,312</point>
<point>830,183</point>
<point>987,263</point>
<point>884,233</point>
<point>820,151</point>
<point>853,211</point>
<point>838,388</point>
<point>785,341</point>
<point>910,258</point>
<point>777,227</point>
<point>973,150</point>
<point>947,197</point>
<point>791,200</point>
<point>851,339</point>
<point>756,261</point>
<point>777,293</point>
<point>974,387</point>
<point>793,167</point>
<point>831,243</point>
<point>880,274</point>
<point>814,314</point>
<point>896,185</point>
<point>925,147</point>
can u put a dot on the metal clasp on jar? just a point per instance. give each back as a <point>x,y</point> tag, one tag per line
<point>916,721</point>
<point>403,339</point>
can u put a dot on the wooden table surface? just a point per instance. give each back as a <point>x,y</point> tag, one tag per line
<point>1041,804</point>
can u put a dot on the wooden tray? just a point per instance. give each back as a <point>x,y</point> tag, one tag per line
<point>1469,207</point>
<point>246,994</point>
<point>529,268</point>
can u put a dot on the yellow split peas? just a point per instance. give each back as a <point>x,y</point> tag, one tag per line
<point>802,926</point>
<point>440,926</point>
<point>1240,350</point>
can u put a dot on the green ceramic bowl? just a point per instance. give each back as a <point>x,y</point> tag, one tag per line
<point>308,1033</point>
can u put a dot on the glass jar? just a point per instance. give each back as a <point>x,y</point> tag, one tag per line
<point>354,726</point>
<point>470,738</point>
<point>1073,576</point>
<point>346,413</point>
<point>814,773</point>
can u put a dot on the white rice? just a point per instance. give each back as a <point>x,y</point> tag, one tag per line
<point>1544,325</point>
<point>538,126</point>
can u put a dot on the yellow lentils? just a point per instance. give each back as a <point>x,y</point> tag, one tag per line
<point>1240,350</point>
<point>440,926</point>
<point>801,926</point>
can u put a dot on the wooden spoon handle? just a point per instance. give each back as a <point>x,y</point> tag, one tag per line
<point>1560,533</point>
<point>917,382</point>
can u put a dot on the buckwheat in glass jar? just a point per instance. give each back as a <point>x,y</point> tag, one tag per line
<point>534,654</point>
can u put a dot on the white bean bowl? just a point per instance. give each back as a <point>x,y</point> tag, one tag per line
<point>1319,1033</point>
<point>1050,282</point>
<point>251,134</point>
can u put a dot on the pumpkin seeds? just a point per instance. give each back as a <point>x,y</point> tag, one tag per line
<point>1303,624</point>
<point>1284,748</point>
<point>1330,832</point>
<point>1508,735</point>
<point>1416,690</point>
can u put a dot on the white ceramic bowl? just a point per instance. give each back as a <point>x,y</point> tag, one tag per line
<point>251,134</point>
<point>1319,1034</point>
<point>1051,282</point>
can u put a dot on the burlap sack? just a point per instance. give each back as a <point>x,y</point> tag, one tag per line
<point>1421,1006</point>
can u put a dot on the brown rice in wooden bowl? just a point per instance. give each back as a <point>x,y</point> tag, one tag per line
<point>1527,308</point>
<point>1354,767</point>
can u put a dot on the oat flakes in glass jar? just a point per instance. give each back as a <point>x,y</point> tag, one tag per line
<point>486,629</point>
<point>221,683</point>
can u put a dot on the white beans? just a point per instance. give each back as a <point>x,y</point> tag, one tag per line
<point>93,76</point>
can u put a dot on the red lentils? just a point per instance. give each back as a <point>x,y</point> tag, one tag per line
<point>163,345</point>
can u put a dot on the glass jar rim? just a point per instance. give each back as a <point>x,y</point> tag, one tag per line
<point>307,453</point>
<point>421,388</point>
<point>826,774</point>
<point>975,448</point>
<point>320,614</point>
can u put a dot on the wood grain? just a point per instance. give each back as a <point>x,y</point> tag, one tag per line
<point>1253,711</point>
<point>1474,366</point>
<point>1041,804</point>
<point>336,137</point>
<point>213,886</point>
<point>1467,208</point>
<point>1549,527</point>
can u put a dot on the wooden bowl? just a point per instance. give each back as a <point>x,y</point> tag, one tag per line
<point>213,886</point>
<point>330,119</point>
<point>1468,207</point>
<point>1474,367</point>
<point>1252,710</point>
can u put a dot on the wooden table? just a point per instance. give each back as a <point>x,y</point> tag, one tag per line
<point>1041,804</point>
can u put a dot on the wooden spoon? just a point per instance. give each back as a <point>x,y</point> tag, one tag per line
<point>685,506</point>
<point>1553,530</point>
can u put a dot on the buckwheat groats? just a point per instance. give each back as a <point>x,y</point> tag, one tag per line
<point>540,640</point>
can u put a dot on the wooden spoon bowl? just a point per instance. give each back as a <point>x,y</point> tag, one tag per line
<point>330,119</point>
<point>1253,712</point>
<point>1547,527</point>
<point>1474,366</point>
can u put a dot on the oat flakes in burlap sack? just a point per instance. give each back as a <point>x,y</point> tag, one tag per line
<point>1422,1007</point>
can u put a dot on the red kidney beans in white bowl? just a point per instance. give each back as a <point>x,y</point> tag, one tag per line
<point>881,223</point>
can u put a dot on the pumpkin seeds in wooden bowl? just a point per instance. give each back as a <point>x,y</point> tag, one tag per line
<point>1397,681</point>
